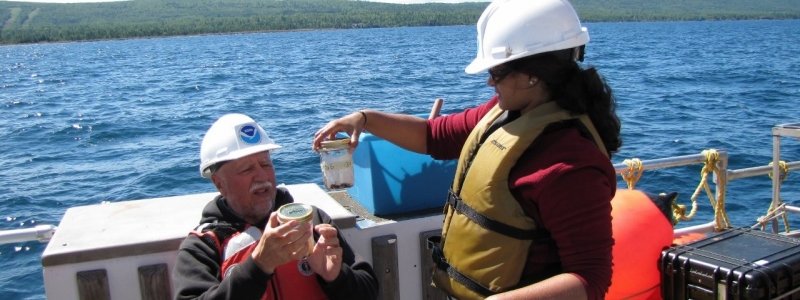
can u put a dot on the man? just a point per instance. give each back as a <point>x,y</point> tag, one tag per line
<point>241,251</point>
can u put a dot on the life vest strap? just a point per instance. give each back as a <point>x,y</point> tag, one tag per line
<point>521,234</point>
<point>441,263</point>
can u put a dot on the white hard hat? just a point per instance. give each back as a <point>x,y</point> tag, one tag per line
<point>512,29</point>
<point>231,137</point>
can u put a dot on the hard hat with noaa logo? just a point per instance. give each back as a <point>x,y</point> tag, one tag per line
<point>231,137</point>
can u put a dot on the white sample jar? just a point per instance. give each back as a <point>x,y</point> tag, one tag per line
<point>336,163</point>
<point>303,214</point>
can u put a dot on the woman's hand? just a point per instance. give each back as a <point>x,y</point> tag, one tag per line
<point>352,124</point>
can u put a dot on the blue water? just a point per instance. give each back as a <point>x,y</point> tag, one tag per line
<point>83,123</point>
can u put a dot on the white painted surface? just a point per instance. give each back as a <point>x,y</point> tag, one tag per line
<point>124,226</point>
<point>408,248</point>
<point>60,282</point>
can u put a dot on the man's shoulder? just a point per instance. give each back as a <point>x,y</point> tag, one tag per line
<point>212,211</point>
<point>282,196</point>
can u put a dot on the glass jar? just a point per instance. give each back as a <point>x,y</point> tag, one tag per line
<point>336,163</point>
<point>303,213</point>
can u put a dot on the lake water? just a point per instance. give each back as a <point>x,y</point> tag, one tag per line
<point>88,122</point>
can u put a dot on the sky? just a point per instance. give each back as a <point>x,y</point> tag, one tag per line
<point>384,1</point>
<point>63,1</point>
<point>425,1</point>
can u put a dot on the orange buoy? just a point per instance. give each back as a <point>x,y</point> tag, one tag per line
<point>640,232</point>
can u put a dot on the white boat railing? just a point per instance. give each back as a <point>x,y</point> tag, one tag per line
<point>778,132</point>
<point>721,178</point>
<point>670,162</point>
<point>758,171</point>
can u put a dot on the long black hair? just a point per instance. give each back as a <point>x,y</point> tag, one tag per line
<point>575,89</point>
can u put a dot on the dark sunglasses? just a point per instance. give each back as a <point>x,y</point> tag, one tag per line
<point>499,72</point>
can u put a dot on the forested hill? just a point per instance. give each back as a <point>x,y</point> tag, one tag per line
<point>24,22</point>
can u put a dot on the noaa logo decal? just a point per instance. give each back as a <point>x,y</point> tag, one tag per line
<point>304,267</point>
<point>249,134</point>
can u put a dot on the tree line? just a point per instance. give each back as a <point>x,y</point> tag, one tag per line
<point>25,22</point>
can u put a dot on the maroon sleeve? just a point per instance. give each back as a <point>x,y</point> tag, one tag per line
<point>447,134</point>
<point>573,199</point>
<point>581,226</point>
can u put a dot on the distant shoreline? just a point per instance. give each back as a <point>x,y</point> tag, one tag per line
<point>324,29</point>
<point>34,22</point>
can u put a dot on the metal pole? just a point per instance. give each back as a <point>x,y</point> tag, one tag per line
<point>776,175</point>
<point>41,233</point>
<point>701,228</point>
<point>663,163</point>
<point>760,170</point>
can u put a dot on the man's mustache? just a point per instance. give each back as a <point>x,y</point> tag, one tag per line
<point>261,186</point>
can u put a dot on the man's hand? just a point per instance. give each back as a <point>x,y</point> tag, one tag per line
<point>326,259</point>
<point>281,243</point>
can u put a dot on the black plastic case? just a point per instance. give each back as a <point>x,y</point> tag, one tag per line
<point>738,263</point>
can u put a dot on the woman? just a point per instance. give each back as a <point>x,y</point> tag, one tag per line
<point>528,216</point>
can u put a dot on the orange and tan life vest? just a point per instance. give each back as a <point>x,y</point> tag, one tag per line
<point>486,255</point>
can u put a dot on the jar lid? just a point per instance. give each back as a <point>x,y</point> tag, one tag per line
<point>295,211</point>
<point>335,144</point>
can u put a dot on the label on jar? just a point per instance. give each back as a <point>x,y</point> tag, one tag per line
<point>302,213</point>
<point>336,164</point>
<point>295,211</point>
<point>328,166</point>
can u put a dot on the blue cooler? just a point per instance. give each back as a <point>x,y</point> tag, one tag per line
<point>391,180</point>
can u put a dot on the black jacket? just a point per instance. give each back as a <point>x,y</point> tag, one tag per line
<point>196,274</point>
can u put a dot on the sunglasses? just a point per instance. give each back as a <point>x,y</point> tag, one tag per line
<point>499,72</point>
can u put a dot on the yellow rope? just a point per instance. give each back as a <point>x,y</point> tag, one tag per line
<point>720,216</point>
<point>633,173</point>
<point>772,214</point>
<point>777,207</point>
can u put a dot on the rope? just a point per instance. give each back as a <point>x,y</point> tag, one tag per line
<point>776,209</point>
<point>721,221</point>
<point>633,173</point>
<point>772,214</point>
